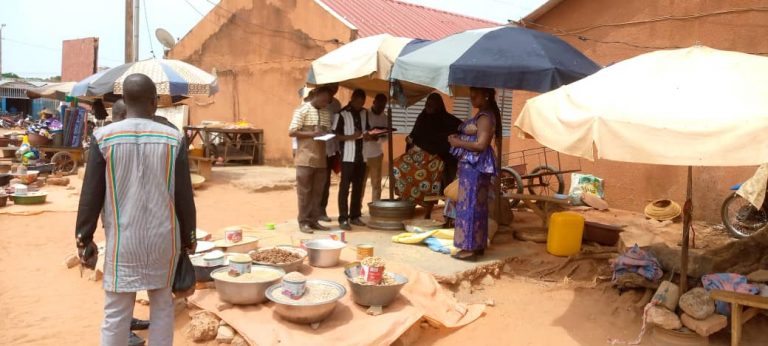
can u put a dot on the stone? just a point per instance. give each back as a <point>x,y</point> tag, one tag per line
<point>667,295</point>
<point>705,327</point>
<point>225,334</point>
<point>697,303</point>
<point>71,261</point>
<point>508,269</point>
<point>758,276</point>
<point>487,281</point>
<point>58,181</point>
<point>203,327</point>
<point>663,318</point>
<point>239,341</point>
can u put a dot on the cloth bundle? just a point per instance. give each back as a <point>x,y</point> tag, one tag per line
<point>439,240</point>
<point>728,282</point>
<point>636,260</point>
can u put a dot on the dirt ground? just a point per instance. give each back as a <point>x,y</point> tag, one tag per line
<point>44,303</point>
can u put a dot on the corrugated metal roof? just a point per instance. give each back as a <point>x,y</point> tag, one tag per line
<point>373,17</point>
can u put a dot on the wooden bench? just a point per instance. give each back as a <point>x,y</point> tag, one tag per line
<point>542,206</point>
<point>754,304</point>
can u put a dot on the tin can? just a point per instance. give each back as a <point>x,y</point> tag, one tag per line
<point>303,243</point>
<point>372,275</point>
<point>214,258</point>
<point>240,263</point>
<point>294,288</point>
<point>339,236</point>
<point>364,251</point>
<point>233,235</point>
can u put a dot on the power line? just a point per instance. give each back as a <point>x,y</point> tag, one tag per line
<point>149,33</point>
<point>194,8</point>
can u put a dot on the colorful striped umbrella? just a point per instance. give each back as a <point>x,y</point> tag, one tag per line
<point>172,78</point>
<point>498,57</point>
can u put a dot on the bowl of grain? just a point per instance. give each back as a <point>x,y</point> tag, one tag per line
<point>286,257</point>
<point>248,288</point>
<point>317,303</point>
<point>382,294</point>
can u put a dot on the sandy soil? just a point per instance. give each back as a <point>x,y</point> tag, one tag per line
<point>44,303</point>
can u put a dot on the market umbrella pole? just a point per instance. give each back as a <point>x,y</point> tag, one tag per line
<point>390,154</point>
<point>687,215</point>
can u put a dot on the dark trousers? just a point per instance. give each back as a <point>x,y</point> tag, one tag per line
<point>326,187</point>
<point>352,173</point>
<point>309,189</point>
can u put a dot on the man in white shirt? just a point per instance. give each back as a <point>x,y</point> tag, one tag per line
<point>331,150</point>
<point>349,128</point>
<point>372,149</point>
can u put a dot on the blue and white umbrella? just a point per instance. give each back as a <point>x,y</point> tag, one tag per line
<point>172,77</point>
<point>498,57</point>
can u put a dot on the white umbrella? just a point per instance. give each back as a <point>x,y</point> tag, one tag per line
<point>696,106</point>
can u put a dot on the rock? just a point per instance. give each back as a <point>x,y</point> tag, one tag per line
<point>706,327</point>
<point>490,302</point>
<point>71,261</point>
<point>225,334</point>
<point>663,318</point>
<point>697,303</point>
<point>668,295</point>
<point>508,269</point>
<point>487,281</point>
<point>699,264</point>
<point>239,341</point>
<point>58,181</point>
<point>203,327</point>
<point>758,276</point>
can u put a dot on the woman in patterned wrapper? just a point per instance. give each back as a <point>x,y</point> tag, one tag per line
<point>477,166</point>
<point>427,166</point>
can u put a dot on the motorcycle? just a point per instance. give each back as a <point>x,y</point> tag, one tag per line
<point>740,217</point>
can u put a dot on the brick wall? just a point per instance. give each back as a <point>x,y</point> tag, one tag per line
<point>79,58</point>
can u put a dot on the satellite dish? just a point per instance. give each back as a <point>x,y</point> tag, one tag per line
<point>165,38</point>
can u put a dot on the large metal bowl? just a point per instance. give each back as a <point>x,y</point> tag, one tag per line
<point>305,313</point>
<point>324,253</point>
<point>372,295</point>
<point>244,293</point>
<point>387,214</point>
<point>202,270</point>
<point>287,267</point>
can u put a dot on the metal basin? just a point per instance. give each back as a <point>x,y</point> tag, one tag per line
<point>202,270</point>
<point>389,214</point>
<point>371,295</point>
<point>244,293</point>
<point>304,313</point>
<point>324,253</point>
<point>287,267</point>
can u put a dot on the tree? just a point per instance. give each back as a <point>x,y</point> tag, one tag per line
<point>10,75</point>
<point>55,79</point>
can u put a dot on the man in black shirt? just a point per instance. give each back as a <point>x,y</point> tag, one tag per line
<point>349,129</point>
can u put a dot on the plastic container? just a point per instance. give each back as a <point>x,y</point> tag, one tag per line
<point>565,232</point>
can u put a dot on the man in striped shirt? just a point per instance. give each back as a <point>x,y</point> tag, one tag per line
<point>311,119</point>
<point>137,179</point>
<point>350,126</point>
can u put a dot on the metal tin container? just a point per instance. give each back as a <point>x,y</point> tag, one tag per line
<point>364,251</point>
<point>214,258</point>
<point>339,235</point>
<point>241,263</point>
<point>233,235</point>
<point>294,287</point>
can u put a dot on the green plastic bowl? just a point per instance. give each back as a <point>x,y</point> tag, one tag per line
<point>30,198</point>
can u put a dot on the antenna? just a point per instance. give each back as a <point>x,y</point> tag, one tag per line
<point>165,38</point>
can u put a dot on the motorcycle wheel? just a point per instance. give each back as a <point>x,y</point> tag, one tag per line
<point>741,218</point>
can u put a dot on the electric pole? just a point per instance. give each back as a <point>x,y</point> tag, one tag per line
<point>131,30</point>
<point>1,50</point>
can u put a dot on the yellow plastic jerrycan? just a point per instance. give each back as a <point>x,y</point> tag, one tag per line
<point>565,232</point>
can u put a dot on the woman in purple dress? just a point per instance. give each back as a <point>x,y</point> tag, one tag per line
<point>472,147</point>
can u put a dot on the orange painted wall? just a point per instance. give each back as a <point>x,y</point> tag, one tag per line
<point>261,55</point>
<point>631,186</point>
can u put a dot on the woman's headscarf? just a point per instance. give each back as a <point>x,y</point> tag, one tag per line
<point>431,131</point>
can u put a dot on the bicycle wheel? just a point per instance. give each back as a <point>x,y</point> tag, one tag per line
<point>546,181</point>
<point>741,218</point>
<point>511,181</point>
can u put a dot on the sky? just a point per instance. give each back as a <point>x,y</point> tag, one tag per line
<point>31,45</point>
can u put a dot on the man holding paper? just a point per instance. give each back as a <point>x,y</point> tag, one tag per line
<point>349,128</point>
<point>311,120</point>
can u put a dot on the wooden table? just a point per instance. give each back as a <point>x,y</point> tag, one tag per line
<point>754,304</point>
<point>239,144</point>
<point>542,206</point>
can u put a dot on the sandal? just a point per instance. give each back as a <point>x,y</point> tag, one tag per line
<point>465,255</point>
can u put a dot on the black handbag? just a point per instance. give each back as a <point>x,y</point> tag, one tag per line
<point>184,278</point>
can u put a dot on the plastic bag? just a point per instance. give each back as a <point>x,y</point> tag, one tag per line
<point>581,183</point>
<point>184,278</point>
